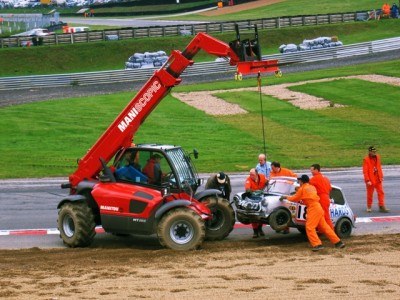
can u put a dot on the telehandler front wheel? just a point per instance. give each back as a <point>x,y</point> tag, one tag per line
<point>76,224</point>
<point>181,229</point>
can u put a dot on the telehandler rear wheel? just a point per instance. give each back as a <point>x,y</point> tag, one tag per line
<point>223,218</point>
<point>76,224</point>
<point>181,229</point>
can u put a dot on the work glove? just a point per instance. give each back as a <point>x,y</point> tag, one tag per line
<point>281,198</point>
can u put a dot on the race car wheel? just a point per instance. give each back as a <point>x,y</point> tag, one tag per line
<point>279,219</point>
<point>223,218</point>
<point>76,224</point>
<point>343,228</point>
<point>181,229</point>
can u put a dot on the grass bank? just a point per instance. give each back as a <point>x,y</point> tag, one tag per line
<point>45,138</point>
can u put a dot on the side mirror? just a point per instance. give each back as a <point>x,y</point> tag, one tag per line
<point>165,192</point>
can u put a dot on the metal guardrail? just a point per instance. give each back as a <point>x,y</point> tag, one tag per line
<point>40,81</point>
<point>175,30</point>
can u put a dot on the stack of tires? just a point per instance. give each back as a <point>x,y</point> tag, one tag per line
<point>146,60</point>
<point>318,43</point>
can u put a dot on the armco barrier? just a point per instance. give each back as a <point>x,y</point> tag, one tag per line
<point>174,30</point>
<point>26,82</point>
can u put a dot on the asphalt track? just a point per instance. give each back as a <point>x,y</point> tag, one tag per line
<point>28,210</point>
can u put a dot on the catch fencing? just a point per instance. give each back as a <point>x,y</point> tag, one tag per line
<point>191,29</point>
<point>24,22</point>
<point>198,69</point>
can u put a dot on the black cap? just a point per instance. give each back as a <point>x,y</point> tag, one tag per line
<point>372,148</point>
<point>304,178</point>
<point>221,177</point>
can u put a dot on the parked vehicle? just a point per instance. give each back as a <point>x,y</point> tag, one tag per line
<point>266,208</point>
<point>35,32</point>
<point>168,207</point>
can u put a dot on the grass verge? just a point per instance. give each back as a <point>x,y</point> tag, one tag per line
<point>45,138</point>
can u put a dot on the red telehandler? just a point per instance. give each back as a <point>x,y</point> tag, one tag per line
<point>151,189</point>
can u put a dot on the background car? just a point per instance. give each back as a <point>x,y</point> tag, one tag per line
<point>35,32</point>
<point>265,207</point>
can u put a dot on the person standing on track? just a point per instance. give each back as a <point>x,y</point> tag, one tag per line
<point>256,182</point>
<point>277,170</point>
<point>315,214</point>
<point>263,166</point>
<point>222,182</point>
<point>323,187</point>
<point>373,177</point>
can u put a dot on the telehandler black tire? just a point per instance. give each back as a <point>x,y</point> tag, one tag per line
<point>223,218</point>
<point>76,224</point>
<point>181,229</point>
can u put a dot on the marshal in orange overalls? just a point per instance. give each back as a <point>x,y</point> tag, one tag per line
<point>323,187</point>
<point>315,214</point>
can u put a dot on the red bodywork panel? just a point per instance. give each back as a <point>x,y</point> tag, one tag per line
<point>254,67</point>
<point>123,194</point>
<point>121,131</point>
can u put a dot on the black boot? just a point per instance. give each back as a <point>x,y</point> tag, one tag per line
<point>260,231</point>
<point>255,234</point>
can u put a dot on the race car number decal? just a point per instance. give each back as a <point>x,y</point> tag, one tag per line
<point>301,212</point>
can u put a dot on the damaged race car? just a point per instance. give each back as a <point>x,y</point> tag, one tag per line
<point>264,207</point>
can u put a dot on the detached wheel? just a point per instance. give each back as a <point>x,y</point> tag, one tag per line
<point>222,221</point>
<point>76,224</point>
<point>343,228</point>
<point>279,219</point>
<point>181,229</point>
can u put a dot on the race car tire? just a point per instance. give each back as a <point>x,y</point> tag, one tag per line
<point>280,219</point>
<point>181,229</point>
<point>343,228</point>
<point>223,218</point>
<point>76,224</point>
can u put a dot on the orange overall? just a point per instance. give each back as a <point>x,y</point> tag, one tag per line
<point>323,187</point>
<point>386,9</point>
<point>282,172</point>
<point>315,214</point>
<point>250,184</point>
<point>372,170</point>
